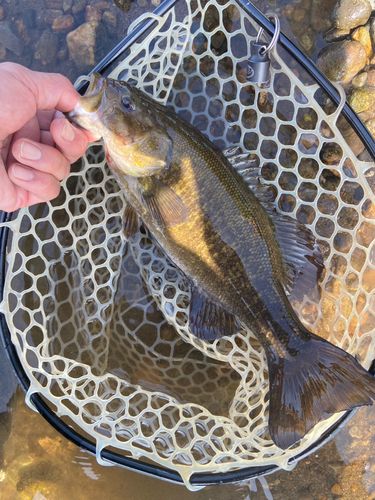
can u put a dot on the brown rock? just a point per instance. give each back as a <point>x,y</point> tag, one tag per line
<point>335,35</point>
<point>102,5</point>
<point>63,24</point>
<point>362,35</point>
<point>78,6</point>
<point>319,13</point>
<point>361,98</point>
<point>1,13</point>
<point>51,14</point>
<point>92,14</point>
<point>341,61</point>
<point>336,489</point>
<point>86,45</point>
<point>360,79</point>
<point>110,19</point>
<point>67,5</point>
<point>142,3</point>
<point>46,47</point>
<point>299,15</point>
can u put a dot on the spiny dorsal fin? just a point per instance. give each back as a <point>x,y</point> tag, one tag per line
<point>129,222</point>
<point>163,204</point>
<point>208,320</point>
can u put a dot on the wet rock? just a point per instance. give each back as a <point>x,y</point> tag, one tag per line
<point>156,3</point>
<point>28,17</point>
<point>348,14</point>
<point>47,47</point>
<point>359,80</point>
<point>67,5</point>
<point>1,13</point>
<point>79,6</point>
<point>341,61</point>
<point>361,98</point>
<point>63,24</point>
<point>102,5</point>
<point>362,35</point>
<point>142,3</point>
<point>85,44</point>
<point>110,19</point>
<point>335,35</point>
<point>10,39</point>
<point>319,13</point>
<point>92,14</point>
<point>336,489</point>
<point>123,5</point>
<point>51,14</point>
<point>307,42</point>
<point>22,31</point>
<point>62,54</point>
<point>217,40</point>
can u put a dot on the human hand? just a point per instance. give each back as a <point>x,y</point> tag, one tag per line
<point>37,144</point>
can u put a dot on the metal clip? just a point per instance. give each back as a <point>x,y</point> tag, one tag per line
<point>258,67</point>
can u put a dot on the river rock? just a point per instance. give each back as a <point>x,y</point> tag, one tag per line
<point>67,5</point>
<point>348,14</point>
<point>370,124</point>
<point>10,39</point>
<point>86,45</point>
<point>92,14</point>
<point>51,14</point>
<point>341,61</point>
<point>110,19</point>
<point>335,35</point>
<point>102,5</point>
<point>360,79</point>
<point>361,98</point>
<point>63,24</point>
<point>319,14</point>
<point>371,77</point>
<point>79,6</point>
<point>46,47</point>
<point>54,4</point>
<point>1,13</point>
<point>362,35</point>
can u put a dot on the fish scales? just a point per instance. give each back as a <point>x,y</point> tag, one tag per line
<point>241,259</point>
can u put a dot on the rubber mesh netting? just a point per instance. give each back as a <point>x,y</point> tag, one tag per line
<point>100,325</point>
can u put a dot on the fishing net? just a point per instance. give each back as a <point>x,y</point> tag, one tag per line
<point>101,326</point>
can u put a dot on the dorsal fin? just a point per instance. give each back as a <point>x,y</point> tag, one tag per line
<point>301,253</point>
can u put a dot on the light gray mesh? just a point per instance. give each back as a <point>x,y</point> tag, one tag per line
<point>100,326</point>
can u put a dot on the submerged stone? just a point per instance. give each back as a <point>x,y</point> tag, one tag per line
<point>47,47</point>
<point>85,45</point>
<point>348,14</point>
<point>10,40</point>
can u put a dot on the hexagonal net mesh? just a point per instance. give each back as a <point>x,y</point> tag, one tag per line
<point>100,325</point>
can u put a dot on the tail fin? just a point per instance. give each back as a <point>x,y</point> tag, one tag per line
<point>320,381</point>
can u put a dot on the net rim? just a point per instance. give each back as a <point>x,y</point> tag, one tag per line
<point>155,470</point>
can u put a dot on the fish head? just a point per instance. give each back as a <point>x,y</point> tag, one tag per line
<point>135,140</point>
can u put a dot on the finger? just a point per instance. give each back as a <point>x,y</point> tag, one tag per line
<point>49,90</point>
<point>45,118</point>
<point>41,157</point>
<point>46,138</point>
<point>8,195</point>
<point>32,186</point>
<point>90,136</point>
<point>71,142</point>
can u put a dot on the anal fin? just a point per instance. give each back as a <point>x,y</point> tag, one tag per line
<point>208,320</point>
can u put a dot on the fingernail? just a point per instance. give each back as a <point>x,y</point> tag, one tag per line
<point>23,173</point>
<point>30,152</point>
<point>68,132</point>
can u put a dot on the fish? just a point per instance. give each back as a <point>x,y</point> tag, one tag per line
<point>242,259</point>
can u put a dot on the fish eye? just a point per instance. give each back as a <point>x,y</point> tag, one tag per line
<point>127,103</point>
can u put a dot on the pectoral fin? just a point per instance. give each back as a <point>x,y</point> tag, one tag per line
<point>208,320</point>
<point>163,204</point>
<point>129,222</point>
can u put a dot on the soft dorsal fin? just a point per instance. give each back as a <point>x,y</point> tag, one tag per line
<point>208,320</point>
<point>301,253</point>
<point>163,204</point>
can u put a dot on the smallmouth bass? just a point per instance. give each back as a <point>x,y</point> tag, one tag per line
<point>241,258</point>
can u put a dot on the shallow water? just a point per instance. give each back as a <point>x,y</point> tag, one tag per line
<point>36,462</point>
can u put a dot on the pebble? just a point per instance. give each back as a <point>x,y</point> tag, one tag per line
<point>336,489</point>
<point>67,5</point>
<point>52,14</point>
<point>110,19</point>
<point>10,39</point>
<point>1,13</point>
<point>62,53</point>
<point>335,35</point>
<point>341,61</point>
<point>360,99</point>
<point>54,4</point>
<point>78,6</point>
<point>299,15</point>
<point>371,77</point>
<point>85,45</point>
<point>62,24</point>
<point>354,432</point>
<point>46,47</point>
<point>142,3</point>
<point>156,3</point>
<point>102,5</point>
<point>360,80</point>
<point>362,35</point>
<point>92,14</point>
<point>348,14</point>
